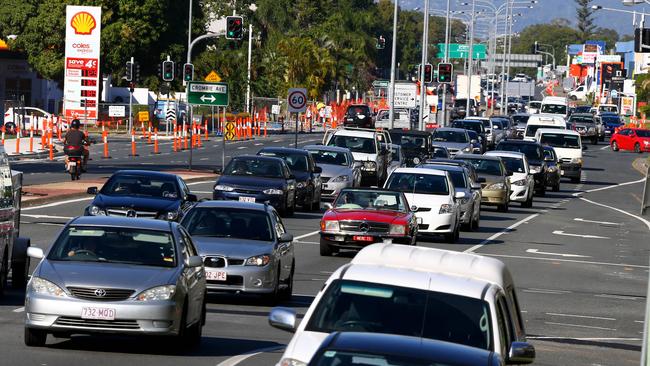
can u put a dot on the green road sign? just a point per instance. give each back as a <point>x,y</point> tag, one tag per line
<point>462,51</point>
<point>205,93</point>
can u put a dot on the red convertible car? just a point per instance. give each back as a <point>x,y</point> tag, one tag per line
<point>360,217</point>
<point>634,139</point>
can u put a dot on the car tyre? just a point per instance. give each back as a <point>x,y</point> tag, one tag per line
<point>325,249</point>
<point>453,236</point>
<point>35,337</point>
<point>4,271</point>
<point>20,268</point>
<point>503,208</point>
<point>287,292</point>
<point>556,187</point>
<point>575,179</point>
<point>614,146</point>
<point>528,203</point>
<point>637,148</point>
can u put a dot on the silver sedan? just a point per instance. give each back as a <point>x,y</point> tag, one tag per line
<point>117,275</point>
<point>339,169</point>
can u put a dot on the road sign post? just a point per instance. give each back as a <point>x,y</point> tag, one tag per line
<point>297,103</point>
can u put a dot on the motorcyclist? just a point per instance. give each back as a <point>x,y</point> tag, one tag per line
<point>75,139</point>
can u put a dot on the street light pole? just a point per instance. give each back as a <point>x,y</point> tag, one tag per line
<point>503,59</point>
<point>391,89</point>
<point>509,54</point>
<point>248,75</point>
<point>444,86</point>
<point>425,46</point>
<point>470,59</point>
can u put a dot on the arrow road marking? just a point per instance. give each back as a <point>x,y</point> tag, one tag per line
<point>536,251</point>
<point>597,222</point>
<point>204,98</point>
<point>560,232</point>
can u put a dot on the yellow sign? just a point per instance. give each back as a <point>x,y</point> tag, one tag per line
<point>143,116</point>
<point>229,133</point>
<point>213,77</point>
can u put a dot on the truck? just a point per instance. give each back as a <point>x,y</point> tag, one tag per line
<point>521,89</point>
<point>13,248</point>
<point>462,86</point>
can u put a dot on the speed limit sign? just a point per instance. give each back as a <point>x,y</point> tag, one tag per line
<point>297,100</point>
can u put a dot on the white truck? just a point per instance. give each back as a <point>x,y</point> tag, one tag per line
<point>462,87</point>
<point>521,89</point>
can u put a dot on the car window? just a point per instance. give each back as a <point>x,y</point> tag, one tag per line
<point>531,151</point>
<point>513,165</point>
<point>279,226</point>
<point>418,183</point>
<point>450,136</point>
<point>254,167</point>
<point>458,179</point>
<point>141,185</point>
<point>355,144</point>
<point>503,330</point>
<point>296,162</point>
<point>187,244</point>
<point>487,166</point>
<point>330,157</point>
<point>554,108</point>
<point>351,358</point>
<point>560,140</point>
<point>370,200</point>
<point>510,331</point>
<point>643,133</point>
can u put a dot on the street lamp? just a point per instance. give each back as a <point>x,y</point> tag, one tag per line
<point>391,89</point>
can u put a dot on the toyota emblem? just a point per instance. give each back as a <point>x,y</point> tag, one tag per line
<point>100,292</point>
<point>130,213</point>
<point>364,227</point>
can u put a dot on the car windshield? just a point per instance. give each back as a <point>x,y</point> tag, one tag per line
<point>139,185</point>
<point>643,133</point>
<point>355,144</point>
<point>440,152</point>
<point>221,222</point>
<point>520,119</point>
<point>254,168</point>
<point>352,358</point>
<point>583,109</point>
<point>362,307</point>
<point>357,110</point>
<point>410,141</point>
<point>329,157</point>
<point>474,126</point>
<point>460,103</point>
<point>560,140</point>
<point>418,183</point>
<point>553,108</point>
<point>370,200</point>
<point>472,135</point>
<point>608,108</point>
<point>610,119</point>
<point>486,166</point>
<point>531,151</point>
<point>450,136</point>
<point>457,179</point>
<point>296,162</point>
<point>114,245</point>
<point>580,119</point>
<point>513,165</point>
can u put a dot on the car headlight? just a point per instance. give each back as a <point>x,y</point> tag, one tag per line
<point>291,362</point>
<point>446,208</point>
<point>520,182</point>
<point>464,201</point>
<point>96,211</point>
<point>157,293</point>
<point>258,260</point>
<point>467,149</point>
<point>170,216</point>
<point>416,160</point>
<point>341,178</point>
<point>301,185</point>
<point>272,191</point>
<point>369,165</point>
<point>223,187</point>
<point>397,229</point>
<point>535,169</point>
<point>646,142</point>
<point>330,225</point>
<point>495,186</point>
<point>42,286</point>
<point>576,161</point>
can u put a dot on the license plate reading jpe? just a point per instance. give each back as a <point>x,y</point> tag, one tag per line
<point>215,275</point>
<point>246,199</point>
<point>97,313</point>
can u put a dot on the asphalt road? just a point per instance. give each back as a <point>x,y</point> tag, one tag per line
<point>580,266</point>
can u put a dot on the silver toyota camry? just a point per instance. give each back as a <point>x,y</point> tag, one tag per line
<point>339,169</point>
<point>117,275</point>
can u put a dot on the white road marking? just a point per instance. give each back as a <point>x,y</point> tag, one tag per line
<point>58,203</point>
<point>580,326</point>
<point>242,147</point>
<point>604,147</point>
<point>259,144</point>
<point>496,235</point>
<point>536,251</point>
<point>617,297</point>
<point>581,316</point>
<point>47,217</point>
<point>566,260</point>
<point>560,232</point>
<point>19,310</point>
<point>586,339</point>
<point>306,235</point>
<point>546,291</point>
<point>201,182</point>
<point>597,222</point>
<point>204,159</point>
<point>577,194</point>
<point>236,360</point>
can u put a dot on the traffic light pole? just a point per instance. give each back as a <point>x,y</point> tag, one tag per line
<point>391,88</point>
<point>130,105</point>
<point>444,90</point>
<point>425,47</point>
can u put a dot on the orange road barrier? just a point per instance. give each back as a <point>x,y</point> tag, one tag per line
<point>3,134</point>
<point>155,141</point>
<point>58,128</point>
<point>185,147</point>
<point>174,139</point>
<point>133,148</point>
<point>264,128</point>
<point>51,147</point>
<point>149,134</point>
<point>198,136</point>
<point>105,139</point>
<point>31,139</point>
<point>207,137</point>
<point>249,125</point>
<point>238,128</point>
<point>17,140</point>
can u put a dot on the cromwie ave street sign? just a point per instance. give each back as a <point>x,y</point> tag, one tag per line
<point>206,93</point>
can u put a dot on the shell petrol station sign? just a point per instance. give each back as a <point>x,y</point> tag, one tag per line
<point>81,78</point>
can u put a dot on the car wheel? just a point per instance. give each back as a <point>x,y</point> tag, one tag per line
<point>453,236</point>
<point>20,269</point>
<point>288,290</point>
<point>528,203</point>
<point>4,269</point>
<point>556,187</point>
<point>637,148</point>
<point>289,210</point>
<point>575,180</point>
<point>542,191</point>
<point>475,224</point>
<point>325,249</point>
<point>614,146</point>
<point>194,332</point>
<point>35,337</point>
<point>503,208</point>
<point>594,141</point>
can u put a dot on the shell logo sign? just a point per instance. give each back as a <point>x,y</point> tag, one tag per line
<point>83,23</point>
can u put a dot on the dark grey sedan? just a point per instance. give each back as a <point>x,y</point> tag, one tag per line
<point>117,275</point>
<point>245,248</point>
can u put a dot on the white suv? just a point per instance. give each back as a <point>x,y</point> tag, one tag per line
<point>423,292</point>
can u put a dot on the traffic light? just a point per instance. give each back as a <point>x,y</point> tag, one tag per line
<point>168,70</point>
<point>445,72</point>
<point>188,72</point>
<point>137,72</point>
<point>533,49</point>
<point>234,27</point>
<point>428,73</point>
<point>128,76</point>
<point>381,43</point>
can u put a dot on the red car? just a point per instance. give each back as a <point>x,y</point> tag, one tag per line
<point>360,217</point>
<point>635,139</point>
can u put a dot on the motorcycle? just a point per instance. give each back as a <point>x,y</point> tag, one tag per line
<point>75,160</point>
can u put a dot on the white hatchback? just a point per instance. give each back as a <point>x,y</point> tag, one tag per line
<point>522,183</point>
<point>432,196</point>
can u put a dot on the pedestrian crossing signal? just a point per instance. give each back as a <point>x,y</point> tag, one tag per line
<point>234,27</point>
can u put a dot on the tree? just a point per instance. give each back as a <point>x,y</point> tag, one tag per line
<point>610,36</point>
<point>585,19</point>
<point>553,34</point>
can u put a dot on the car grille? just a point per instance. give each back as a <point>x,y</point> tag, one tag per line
<point>581,129</point>
<point>130,213</point>
<point>93,323</point>
<point>565,161</point>
<point>373,227</point>
<point>424,209</point>
<point>453,151</point>
<point>110,294</point>
<point>247,191</point>
<point>325,179</point>
<point>230,281</point>
<point>220,262</point>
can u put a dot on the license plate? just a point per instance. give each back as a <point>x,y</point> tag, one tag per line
<point>215,275</point>
<point>97,313</point>
<point>362,238</point>
<point>247,199</point>
<point>72,163</point>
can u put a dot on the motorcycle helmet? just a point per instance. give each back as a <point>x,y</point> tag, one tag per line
<point>75,124</point>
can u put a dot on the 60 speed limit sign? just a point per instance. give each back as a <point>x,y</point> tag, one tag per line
<point>297,100</point>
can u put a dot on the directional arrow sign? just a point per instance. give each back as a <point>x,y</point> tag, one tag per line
<point>206,93</point>
<point>560,232</point>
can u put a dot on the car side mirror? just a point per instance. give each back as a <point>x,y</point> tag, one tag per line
<point>460,195</point>
<point>318,169</point>
<point>35,252</point>
<point>414,208</point>
<point>194,261</point>
<point>286,238</point>
<point>481,180</point>
<point>521,353</point>
<point>476,186</point>
<point>192,197</point>
<point>283,318</point>
<point>92,190</point>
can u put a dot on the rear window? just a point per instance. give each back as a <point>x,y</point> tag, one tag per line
<point>554,108</point>
<point>532,151</point>
<point>560,140</point>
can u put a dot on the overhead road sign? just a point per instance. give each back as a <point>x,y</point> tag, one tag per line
<point>206,93</point>
<point>297,100</point>
<point>457,50</point>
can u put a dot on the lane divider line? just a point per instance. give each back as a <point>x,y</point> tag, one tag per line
<point>504,231</point>
<point>57,203</point>
<point>235,360</point>
<point>306,235</point>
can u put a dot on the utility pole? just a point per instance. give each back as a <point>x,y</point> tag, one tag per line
<point>444,86</point>
<point>509,53</point>
<point>131,104</point>
<point>248,77</point>
<point>425,47</point>
<point>503,60</point>
<point>391,88</point>
<point>470,59</point>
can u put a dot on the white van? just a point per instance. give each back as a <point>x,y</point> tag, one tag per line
<point>542,120</point>
<point>555,105</point>
<point>568,148</point>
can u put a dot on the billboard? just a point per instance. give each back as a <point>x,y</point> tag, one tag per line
<point>81,75</point>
